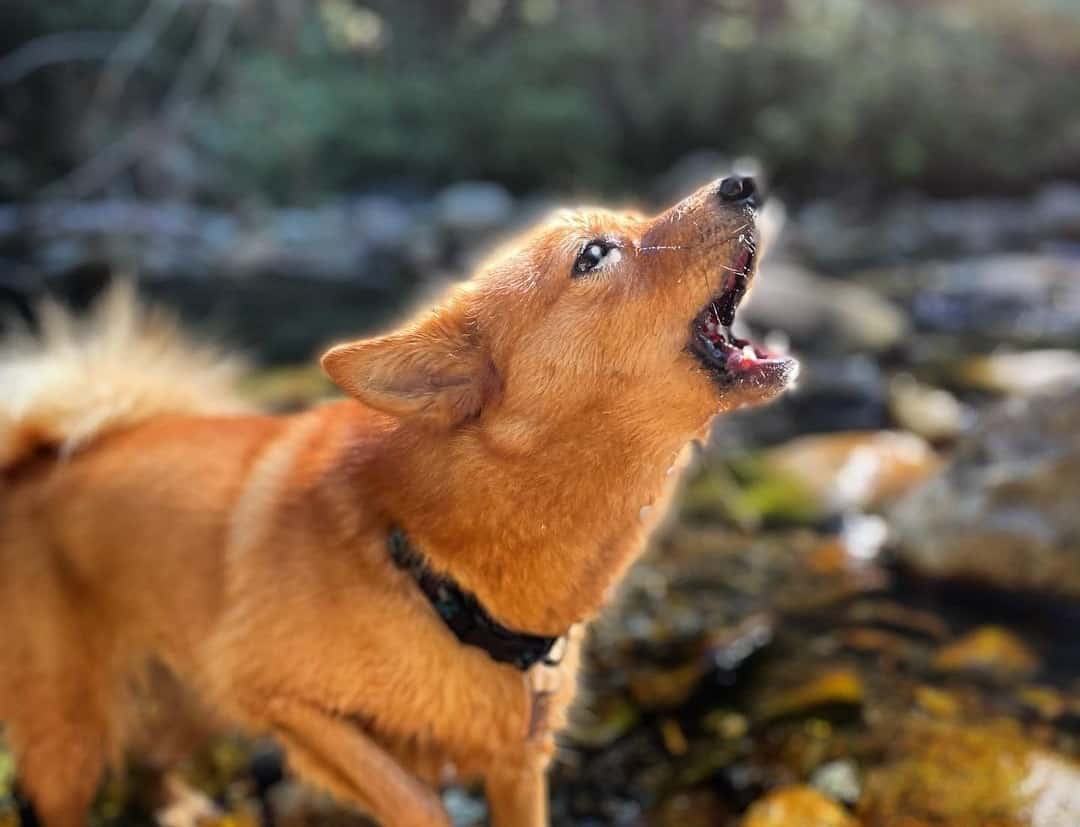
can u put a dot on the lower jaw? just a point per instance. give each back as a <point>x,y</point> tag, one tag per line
<point>763,374</point>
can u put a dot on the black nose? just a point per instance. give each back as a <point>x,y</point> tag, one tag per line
<point>738,189</point>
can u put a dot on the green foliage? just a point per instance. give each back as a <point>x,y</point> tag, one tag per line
<point>595,95</point>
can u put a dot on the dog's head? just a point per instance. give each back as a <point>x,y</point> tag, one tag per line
<point>594,311</point>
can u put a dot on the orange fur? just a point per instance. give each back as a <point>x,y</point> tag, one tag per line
<point>515,433</point>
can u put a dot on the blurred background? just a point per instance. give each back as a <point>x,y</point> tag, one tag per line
<point>865,608</point>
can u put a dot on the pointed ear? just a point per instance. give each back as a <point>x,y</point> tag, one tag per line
<point>434,368</point>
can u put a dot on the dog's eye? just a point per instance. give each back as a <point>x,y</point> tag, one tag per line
<point>596,254</point>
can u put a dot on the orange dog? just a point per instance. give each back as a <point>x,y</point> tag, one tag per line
<point>392,585</point>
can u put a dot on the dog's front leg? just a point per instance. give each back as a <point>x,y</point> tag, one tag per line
<point>518,797</point>
<point>333,753</point>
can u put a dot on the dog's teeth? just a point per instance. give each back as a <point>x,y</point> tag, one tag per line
<point>748,352</point>
<point>778,341</point>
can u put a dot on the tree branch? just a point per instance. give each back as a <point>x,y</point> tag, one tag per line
<point>60,47</point>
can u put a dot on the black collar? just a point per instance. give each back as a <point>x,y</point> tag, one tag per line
<point>464,615</point>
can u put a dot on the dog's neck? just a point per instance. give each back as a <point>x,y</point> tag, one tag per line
<point>539,537</point>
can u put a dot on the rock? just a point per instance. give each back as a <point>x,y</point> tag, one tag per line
<point>383,221</point>
<point>836,688</point>
<point>888,648</point>
<point>465,810</point>
<point>691,808</point>
<point>896,616</point>
<point>717,657</point>
<point>834,393</point>
<point>726,724</point>
<point>991,651</point>
<point>862,537</point>
<point>842,393</point>
<point>1005,511</point>
<point>1024,300</point>
<point>943,773</point>
<point>937,702</point>
<point>474,207</point>
<point>1044,701</point>
<point>819,313</point>
<point>295,804</point>
<point>1057,210</point>
<point>673,736</point>
<point>932,413</point>
<point>797,807</point>
<point>614,718</point>
<point>839,780</point>
<point>187,807</point>
<point>842,236</point>
<point>654,688</point>
<point>1020,372</point>
<point>763,496</point>
<point>854,470</point>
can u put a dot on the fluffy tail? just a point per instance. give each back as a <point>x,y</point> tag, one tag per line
<point>123,363</point>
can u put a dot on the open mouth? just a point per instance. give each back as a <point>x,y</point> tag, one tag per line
<point>727,357</point>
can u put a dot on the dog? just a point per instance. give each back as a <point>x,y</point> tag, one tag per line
<point>393,585</point>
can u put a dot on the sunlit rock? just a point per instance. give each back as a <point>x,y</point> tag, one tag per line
<point>1005,511</point>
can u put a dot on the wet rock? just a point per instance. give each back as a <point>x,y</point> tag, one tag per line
<point>713,493</point>
<point>465,810</point>
<point>839,780</point>
<point>819,313</point>
<point>888,648</point>
<point>1057,209</point>
<point>692,808</point>
<point>945,773</point>
<point>837,688</point>
<point>851,553</point>
<point>857,470</point>
<point>1027,300</point>
<point>385,222</point>
<point>932,413</point>
<point>862,536</point>
<point>666,687</point>
<point>187,807</point>
<point>842,393</point>
<point>295,804</point>
<point>717,658</point>
<point>762,495</point>
<point>673,736</point>
<point>797,807</point>
<point>1005,511</point>
<point>834,393</point>
<point>602,725</point>
<point>892,615</point>
<point>844,236</point>
<point>474,207</point>
<point>991,651</point>
<point>726,724</point>
<point>1046,702</point>
<point>937,702</point>
<point>1020,372</point>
